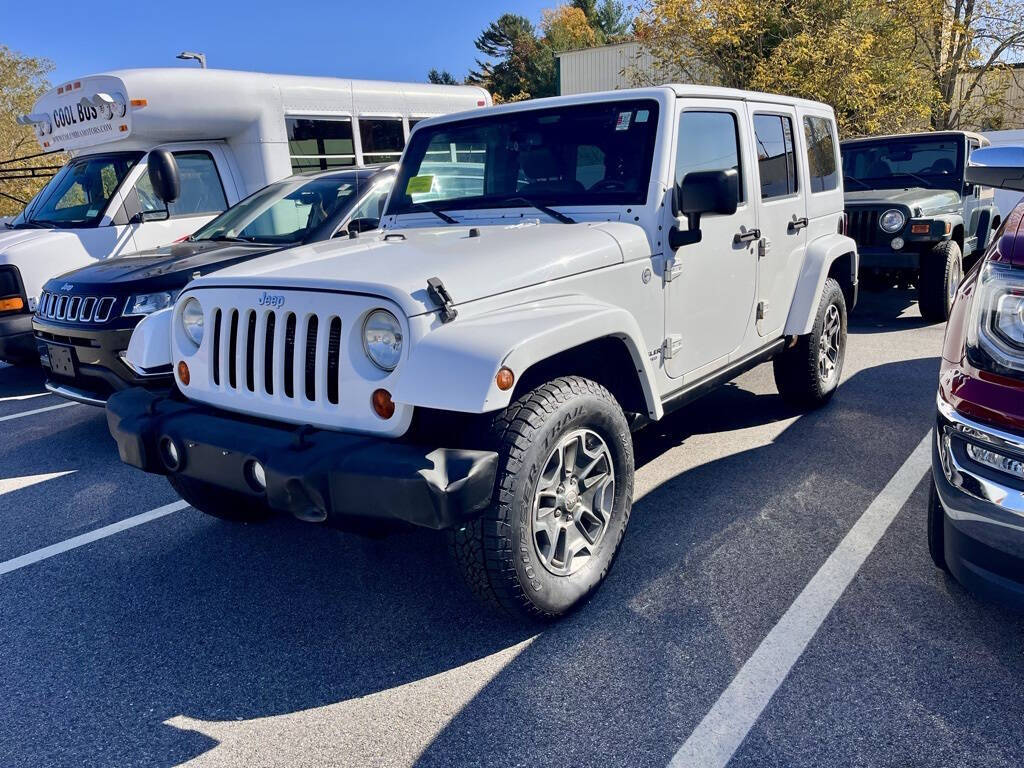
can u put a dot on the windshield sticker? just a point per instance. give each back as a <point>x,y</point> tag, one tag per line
<point>622,124</point>
<point>419,185</point>
<point>642,115</point>
<point>92,212</point>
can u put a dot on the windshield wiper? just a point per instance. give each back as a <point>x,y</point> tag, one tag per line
<point>924,181</point>
<point>862,183</point>
<point>436,211</point>
<point>557,216</point>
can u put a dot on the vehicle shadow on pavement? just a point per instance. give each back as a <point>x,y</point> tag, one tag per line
<point>218,623</point>
<point>16,381</point>
<point>894,309</point>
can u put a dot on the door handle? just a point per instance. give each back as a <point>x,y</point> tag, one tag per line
<point>797,224</point>
<point>747,237</point>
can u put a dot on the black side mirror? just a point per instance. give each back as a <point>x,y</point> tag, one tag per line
<point>1000,167</point>
<point>363,225</point>
<point>163,175</point>
<point>703,192</point>
<point>969,189</point>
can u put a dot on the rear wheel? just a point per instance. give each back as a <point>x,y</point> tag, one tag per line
<point>217,502</point>
<point>941,270</point>
<point>808,373</point>
<point>561,503</point>
<point>936,529</point>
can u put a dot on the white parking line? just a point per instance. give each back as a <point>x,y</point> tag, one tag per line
<point>12,398</point>
<point>35,411</point>
<point>11,484</point>
<point>716,739</point>
<point>88,538</point>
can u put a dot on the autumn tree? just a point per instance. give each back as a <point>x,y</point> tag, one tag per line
<point>967,50</point>
<point>22,81</point>
<point>857,55</point>
<point>518,58</point>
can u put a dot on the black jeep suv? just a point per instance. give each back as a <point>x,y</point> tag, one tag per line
<point>913,214</point>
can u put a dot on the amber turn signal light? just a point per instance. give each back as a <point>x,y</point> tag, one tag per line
<point>183,374</point>
<point>12,305</point>
<point>920,229</point>
<point>383,405</point>
<point>505,379</point>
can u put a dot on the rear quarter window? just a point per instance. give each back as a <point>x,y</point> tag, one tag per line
<point>821,153</point>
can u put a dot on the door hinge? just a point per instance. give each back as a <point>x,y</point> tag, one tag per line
<point>672,271</point>
<point>672,346</point>
<point>762,310</point>
<point>762,247</point>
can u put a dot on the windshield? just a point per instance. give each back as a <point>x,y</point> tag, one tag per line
<point>282,213</point>
<point>589,154</point>
<point>80,192</point>
<point>911,162</point>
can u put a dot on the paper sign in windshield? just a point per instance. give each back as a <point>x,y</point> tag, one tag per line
<point>622,124</point>
<point>419,185</point>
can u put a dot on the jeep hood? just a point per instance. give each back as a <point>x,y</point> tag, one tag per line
<point>930,201</point>
<point>472,263</point>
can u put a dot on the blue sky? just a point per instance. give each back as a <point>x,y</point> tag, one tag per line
<point>379,39</point>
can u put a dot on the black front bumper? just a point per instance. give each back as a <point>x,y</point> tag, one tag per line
<point>99,369</point>
<point>16,342</point>
<point>314,474</point>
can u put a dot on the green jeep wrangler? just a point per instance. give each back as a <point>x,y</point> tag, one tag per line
<point>913,214</point>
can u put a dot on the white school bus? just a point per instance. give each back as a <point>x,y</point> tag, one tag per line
<point>221,135</point>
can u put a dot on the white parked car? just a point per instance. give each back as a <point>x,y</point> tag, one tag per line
<point>550,277</point>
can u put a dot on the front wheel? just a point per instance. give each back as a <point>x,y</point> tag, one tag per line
<point>941,271</point>
<point>807,373</point>
<point>561,503</point>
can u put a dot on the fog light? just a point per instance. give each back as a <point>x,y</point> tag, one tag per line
<point>170,454</point>
<point>996,460</point>
<point>897,243</point>
<point>383,405</point>
<point>257,475</point>
<point>183,375</point>
<point>505,379</point>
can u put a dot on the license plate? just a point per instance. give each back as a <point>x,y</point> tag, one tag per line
<point>62,360</point>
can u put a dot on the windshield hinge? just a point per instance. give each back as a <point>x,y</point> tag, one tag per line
<point>442,298</point>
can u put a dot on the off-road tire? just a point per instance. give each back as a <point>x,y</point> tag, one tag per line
<point>218,502</point>
<point>936,529</point>
<point>796,369</point>
<point>942,268</point>
<point>496,552</point>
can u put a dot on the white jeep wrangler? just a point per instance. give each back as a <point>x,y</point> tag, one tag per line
<point>549,277</point>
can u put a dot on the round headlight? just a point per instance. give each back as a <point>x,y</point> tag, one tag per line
<point>192,320</point>
<point>892,220</point>
<point>382,339</point>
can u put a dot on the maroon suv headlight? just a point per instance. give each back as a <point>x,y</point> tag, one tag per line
<point>995,330</point>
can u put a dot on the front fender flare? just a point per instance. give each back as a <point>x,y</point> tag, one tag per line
<point>821,254</point>
<point>453,366</point>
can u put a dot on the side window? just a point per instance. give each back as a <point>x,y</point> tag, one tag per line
<point>708,141</point>
<point>201,188</point>
<point>821,154</point>
<point>776,160</point>
<point>317,145</point>
<point>372,206</point>
<point>383,139</point>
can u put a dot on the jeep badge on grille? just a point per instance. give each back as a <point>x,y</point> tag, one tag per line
<point>273,300</point>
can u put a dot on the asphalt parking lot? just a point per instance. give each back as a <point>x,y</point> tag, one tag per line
<point>183,639</point>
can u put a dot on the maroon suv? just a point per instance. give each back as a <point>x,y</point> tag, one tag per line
<point>976,507</point>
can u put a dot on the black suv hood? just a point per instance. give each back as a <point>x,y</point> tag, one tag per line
<point>929,201</point>
<point>167,268</point>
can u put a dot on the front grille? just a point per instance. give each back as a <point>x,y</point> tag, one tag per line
<point>862,225</point>
<point>260,351</point>
<point>75,309</point>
